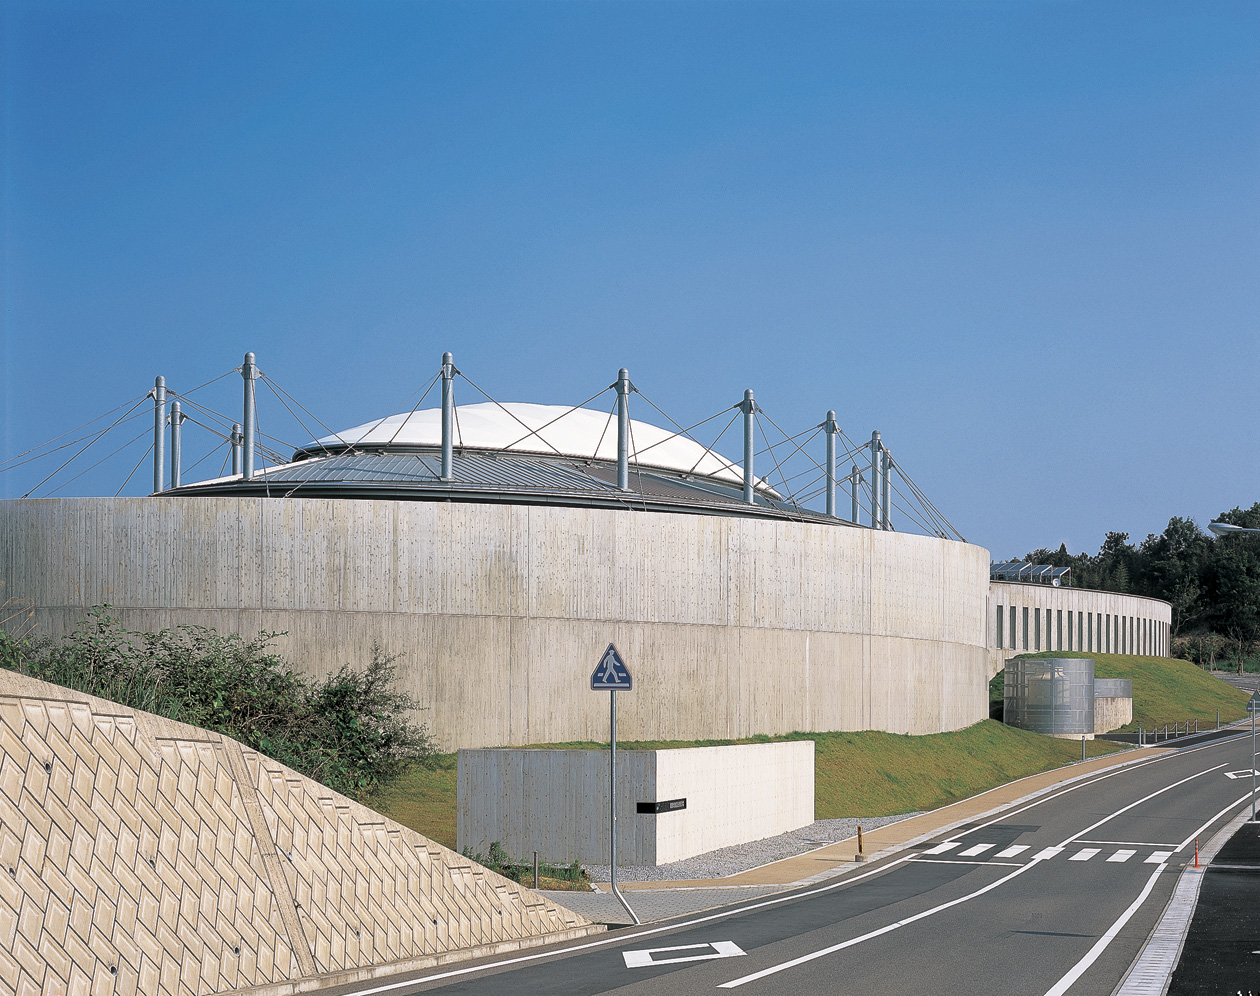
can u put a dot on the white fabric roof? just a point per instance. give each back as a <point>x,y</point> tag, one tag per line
<point>550,429</point>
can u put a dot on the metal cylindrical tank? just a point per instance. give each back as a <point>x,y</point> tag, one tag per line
<point>1053,695</point>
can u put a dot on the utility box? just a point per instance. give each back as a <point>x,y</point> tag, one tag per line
<point>671,804</point>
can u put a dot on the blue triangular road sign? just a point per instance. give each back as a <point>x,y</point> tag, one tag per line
<point>611,673</point>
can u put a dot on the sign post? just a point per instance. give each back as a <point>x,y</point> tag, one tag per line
<point>612,675</point>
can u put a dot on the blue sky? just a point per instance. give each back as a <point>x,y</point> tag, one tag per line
<point>1020,239</point>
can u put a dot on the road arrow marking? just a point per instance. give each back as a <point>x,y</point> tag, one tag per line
<point>716,949</point>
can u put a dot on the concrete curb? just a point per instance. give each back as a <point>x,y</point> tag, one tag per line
<point>392,970</point>
<point>1151,971</point>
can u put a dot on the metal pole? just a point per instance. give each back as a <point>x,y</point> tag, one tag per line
<point>159,434</point>
<point>448,415</point>
<point>1082,747</point>
<point>238,437</point>
<point>623,429</point>
<point>855,483</point>
<point>886,488</point>
<point>748,407</point>
<point>612,792</point>
<point>249,372</point>
<point>875,447</point>
<point>830,428</point>
<point>176,418</point>
<point>1253,759</point>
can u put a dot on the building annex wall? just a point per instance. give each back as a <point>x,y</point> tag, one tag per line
<point>731,626</point>
<point>1028,618</point>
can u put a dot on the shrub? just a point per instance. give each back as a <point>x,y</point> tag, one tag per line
<point>350,731</point>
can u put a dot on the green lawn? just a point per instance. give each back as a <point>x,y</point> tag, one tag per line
<point>856,774</point>
<point>882,774</point>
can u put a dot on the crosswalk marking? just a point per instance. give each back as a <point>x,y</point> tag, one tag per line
<point>1119,856</point>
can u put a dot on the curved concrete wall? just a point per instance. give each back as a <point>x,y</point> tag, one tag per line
<point>730,626</point>
<point>1050,618</point>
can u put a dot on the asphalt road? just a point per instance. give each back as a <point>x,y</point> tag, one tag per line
<point>1054,897</point>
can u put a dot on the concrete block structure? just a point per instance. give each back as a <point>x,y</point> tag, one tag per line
<point>556,802</point>
<point>1113,704</point>
<point>144,857</point>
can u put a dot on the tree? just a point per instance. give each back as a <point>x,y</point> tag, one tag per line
<point>1172,567</point>
<point>1233,580</point>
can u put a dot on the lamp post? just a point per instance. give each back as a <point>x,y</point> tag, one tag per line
<point>1229,529</point>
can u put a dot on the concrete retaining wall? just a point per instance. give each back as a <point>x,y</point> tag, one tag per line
<point>1112,712</point>
<point>143,856</point>
<point>731,627</point>
<point>556,802</point>
<point>1050,618</point>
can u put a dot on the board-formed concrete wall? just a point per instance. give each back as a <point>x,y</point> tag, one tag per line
<point>1050,618</point>
<point>144,857</point>
<point>556,802</point>
<point>731,626</point>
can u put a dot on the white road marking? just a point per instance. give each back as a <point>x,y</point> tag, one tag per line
<point>1122,856</point>
<point>1085,853</point>
<point>1046,853</point>
<point>971,852</point>
<point>1145,798</point>
<point>1158,857</point>
<point>942,848</point>
<point>1245,773</point>
<point>1065,983</point>
<point>1087,781</point>
<point>620,938</point>
<point>948,861</point>
<point>1241,799</point>
<point>1013,850</point>
<point>716,949</point>
<point>774,969</point>
<point>1128,843</point>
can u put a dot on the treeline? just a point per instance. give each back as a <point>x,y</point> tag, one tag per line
<point>1212,583</point>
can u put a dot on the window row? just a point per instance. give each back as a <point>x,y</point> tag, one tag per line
<point>1088,631</point>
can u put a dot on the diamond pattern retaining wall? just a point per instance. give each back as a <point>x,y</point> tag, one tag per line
<point>144,856</point>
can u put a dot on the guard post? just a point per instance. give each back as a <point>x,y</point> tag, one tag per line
<point>612,675</point>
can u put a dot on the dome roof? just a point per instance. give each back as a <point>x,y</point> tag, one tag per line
<point>540,429</point>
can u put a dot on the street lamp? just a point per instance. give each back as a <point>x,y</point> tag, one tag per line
<point>1229,529</point>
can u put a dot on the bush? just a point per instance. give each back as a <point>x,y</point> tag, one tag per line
<point>349,732</point>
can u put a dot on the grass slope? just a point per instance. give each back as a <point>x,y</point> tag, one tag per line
<point>856,774</point>
<point>1167,690</point>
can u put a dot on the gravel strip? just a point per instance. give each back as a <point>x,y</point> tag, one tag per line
<point>740,857</point>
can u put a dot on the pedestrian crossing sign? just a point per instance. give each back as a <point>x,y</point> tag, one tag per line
<point>611,673</point>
